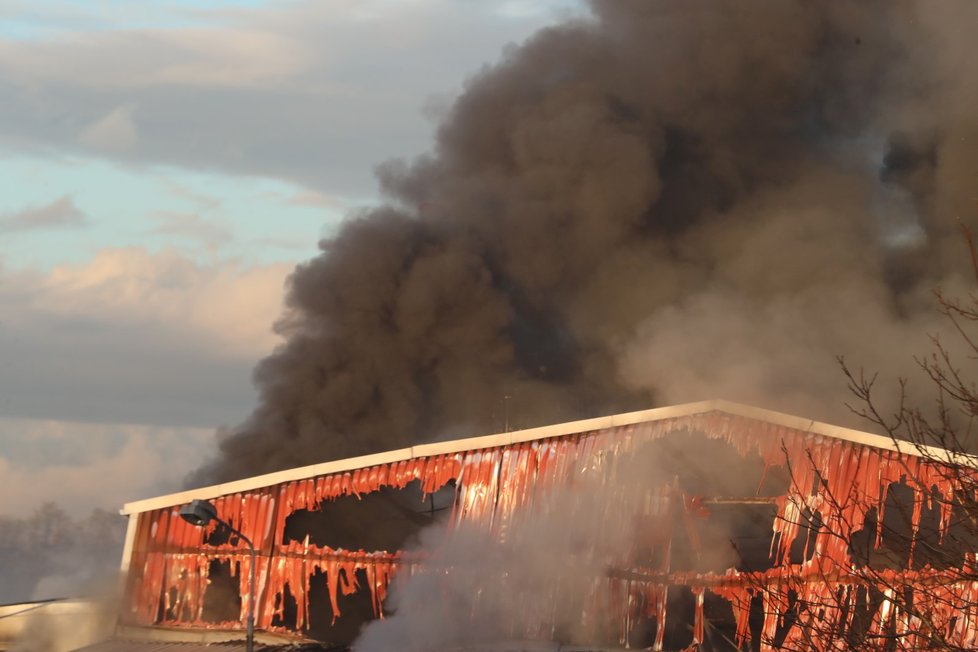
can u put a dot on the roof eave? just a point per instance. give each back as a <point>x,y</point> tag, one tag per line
<point>546,432</point>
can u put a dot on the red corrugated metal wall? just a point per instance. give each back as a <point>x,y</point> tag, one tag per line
<point>169,575</point>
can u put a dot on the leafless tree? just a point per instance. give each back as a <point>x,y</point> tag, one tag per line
<point>909,578</point>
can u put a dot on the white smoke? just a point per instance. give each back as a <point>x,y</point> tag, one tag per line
<point>540,574</point>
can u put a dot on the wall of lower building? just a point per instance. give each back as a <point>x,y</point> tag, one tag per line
<point>328,546</point>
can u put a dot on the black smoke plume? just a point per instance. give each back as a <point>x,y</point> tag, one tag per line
<point>663,202</point>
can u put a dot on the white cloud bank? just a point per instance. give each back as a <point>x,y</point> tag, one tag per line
<point>135,336</point>
<point>81,466</point>
<point>228,307</point>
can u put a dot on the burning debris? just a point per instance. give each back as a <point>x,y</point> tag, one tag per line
<point>596,535</point>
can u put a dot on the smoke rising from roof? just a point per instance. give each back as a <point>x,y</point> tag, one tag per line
<point>540,571</point>
<point>663,203</point>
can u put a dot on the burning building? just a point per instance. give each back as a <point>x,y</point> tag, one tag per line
<point>715,524</point>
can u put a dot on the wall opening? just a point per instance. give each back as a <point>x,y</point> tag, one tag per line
<point>387,520</point>
<point>723,506</point>
<point>286,610</point>
<point>222,600</point>
<point>355,610</point>
<point>383,520</point>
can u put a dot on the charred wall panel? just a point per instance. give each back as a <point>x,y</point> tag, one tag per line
<point>813,494</point>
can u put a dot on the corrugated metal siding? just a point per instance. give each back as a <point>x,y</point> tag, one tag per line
<point>169,572</point>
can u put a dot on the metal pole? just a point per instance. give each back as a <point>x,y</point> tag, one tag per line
<point>251,602</point>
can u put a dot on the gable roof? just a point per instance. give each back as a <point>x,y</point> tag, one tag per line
<point>556,430</point>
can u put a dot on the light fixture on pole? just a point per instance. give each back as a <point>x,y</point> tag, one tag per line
<point>202,512</point>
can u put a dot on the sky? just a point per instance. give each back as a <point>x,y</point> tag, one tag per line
<point>164,165</point>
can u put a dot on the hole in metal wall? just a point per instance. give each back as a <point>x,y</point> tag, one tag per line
<point>383,520</point>
<point>286,610</point>
<point>222,600</point>
<point>355,610</point>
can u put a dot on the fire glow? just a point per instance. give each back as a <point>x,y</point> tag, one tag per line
<point>838,480</point>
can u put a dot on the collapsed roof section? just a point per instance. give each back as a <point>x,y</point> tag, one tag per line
<point>330,536</point>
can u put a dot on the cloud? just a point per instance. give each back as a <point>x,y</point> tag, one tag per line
<point>240,56</point>
<point>202,200</point>
<point>87,465</point>
<point>229,305</point>
<point>115,131</point>
<point>212,233</point>
<point>60,213</point>
<point>313,92</point>
<point>137,337</point>
<point>316,199</point>
<point>230,57</point>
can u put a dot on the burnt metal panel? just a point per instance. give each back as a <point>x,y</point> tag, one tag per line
<point>171,559</point>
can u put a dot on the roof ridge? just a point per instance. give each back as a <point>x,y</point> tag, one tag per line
<point>546,432</point>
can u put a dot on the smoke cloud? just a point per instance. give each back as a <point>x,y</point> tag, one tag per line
<point>60,626</point>
<point>541,572</point>
<point>540,576</point>
<point>661,203</point>
<point>476,590</point>
<point>49,554</point>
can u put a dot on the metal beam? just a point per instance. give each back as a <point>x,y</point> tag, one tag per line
<point>557,430</point>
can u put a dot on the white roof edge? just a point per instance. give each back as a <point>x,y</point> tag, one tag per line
<point>544,432</point>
